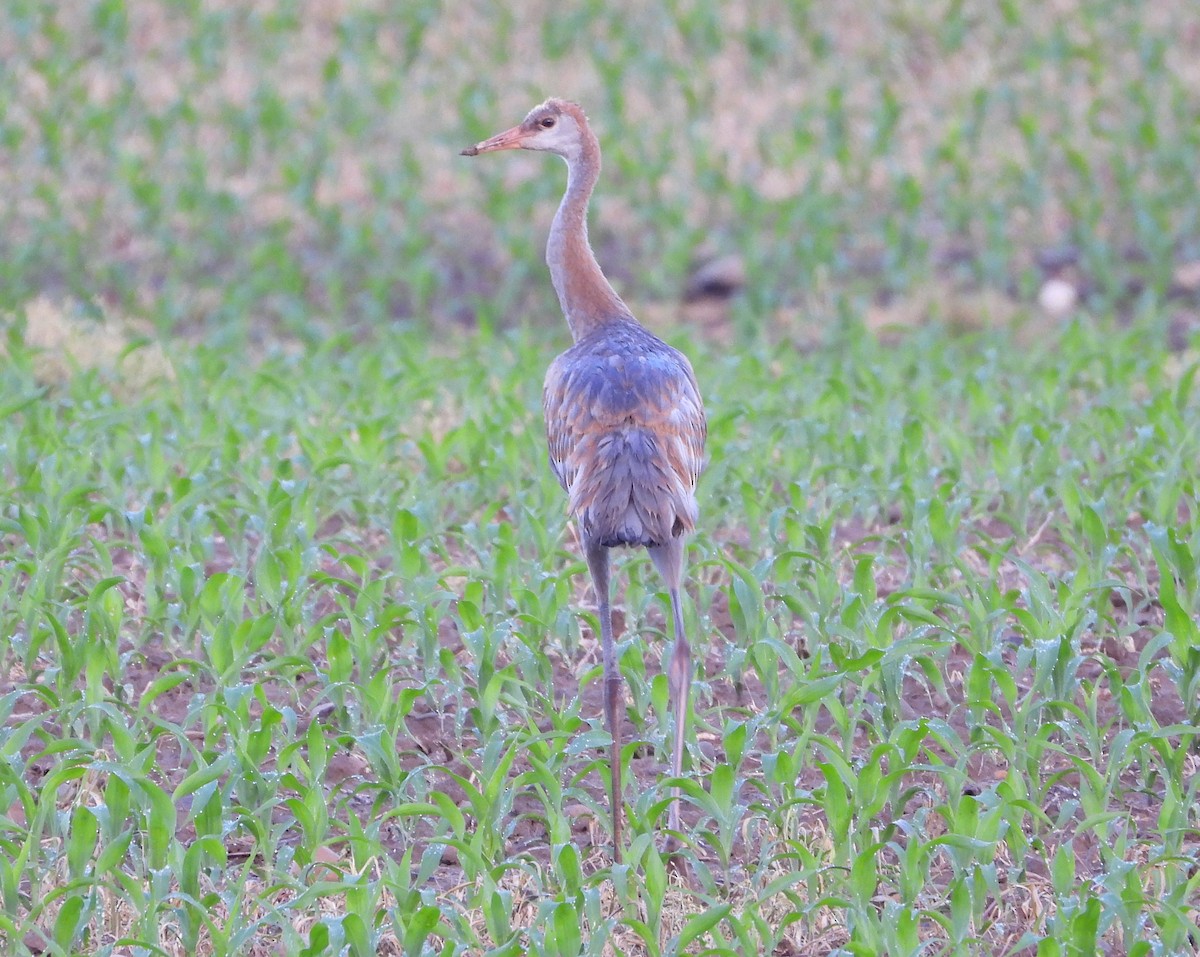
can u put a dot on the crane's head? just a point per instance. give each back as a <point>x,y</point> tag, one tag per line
<point>557,126</point>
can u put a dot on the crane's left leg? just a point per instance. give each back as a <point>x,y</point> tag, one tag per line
<point>668,559</point>
<point>597,559</point>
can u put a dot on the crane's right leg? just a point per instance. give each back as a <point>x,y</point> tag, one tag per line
<point>668,559</point>
<point>597,559</point>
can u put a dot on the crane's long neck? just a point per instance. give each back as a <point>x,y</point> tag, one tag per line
<point>587,299</point>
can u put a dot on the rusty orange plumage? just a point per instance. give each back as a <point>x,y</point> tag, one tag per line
<point>624,420</point>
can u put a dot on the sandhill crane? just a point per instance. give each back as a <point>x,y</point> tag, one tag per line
<point>624,421</point>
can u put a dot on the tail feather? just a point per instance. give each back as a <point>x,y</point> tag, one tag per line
<point>625,493</point>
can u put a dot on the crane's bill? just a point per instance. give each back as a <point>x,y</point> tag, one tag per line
<point>508,140</point>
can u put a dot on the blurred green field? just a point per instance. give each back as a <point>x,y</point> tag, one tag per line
<point>298,652</point>
<point>214,166</point>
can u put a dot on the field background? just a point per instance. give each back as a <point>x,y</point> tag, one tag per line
<point>297,646</point>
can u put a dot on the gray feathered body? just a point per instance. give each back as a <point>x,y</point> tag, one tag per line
<point>626,431</point>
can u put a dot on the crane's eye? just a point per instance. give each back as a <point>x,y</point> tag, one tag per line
<point>546,122</point>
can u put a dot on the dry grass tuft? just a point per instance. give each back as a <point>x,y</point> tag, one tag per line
<point>68,337</point>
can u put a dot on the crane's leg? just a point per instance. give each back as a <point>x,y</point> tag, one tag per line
<point>597,559</point>
<point>668,559</point>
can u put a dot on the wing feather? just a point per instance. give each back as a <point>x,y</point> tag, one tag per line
<point>626,429</point>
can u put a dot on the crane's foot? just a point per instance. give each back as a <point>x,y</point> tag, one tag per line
<point>674,859</point>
